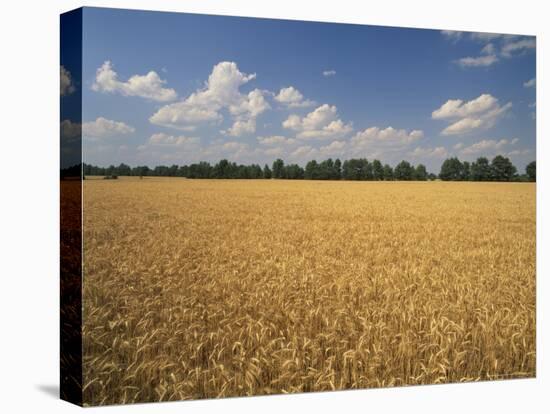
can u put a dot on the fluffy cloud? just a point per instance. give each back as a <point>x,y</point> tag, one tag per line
<point>489,49</point>
<point>274,152</point>
<point>105,128</point>
<point>465,117</point>
<point>183,115</point>
<point>71,136</point>
<point>531,83</point>
<point>251,105</point>
<point>232,149</point>
<point>70,129</point>
<point>512,48</point>
<point>171,140</point>
<point>221,90</point>
<point>168,148</point>
<point>423,153</point>
<point>509,46</point>
<point>486,37</point>
<point>487,146</point>
<point>334,148</point>
<point>307,152</point>
<point>388,144</point>
<point>304,152</point>
<point>490,148</point>
<point>292,98</point>
<point>276,140</point>
<point>463,126</point>
<point>65,82</point>
<point>513,153</point>
<point>374,137</point>
<point>240,128</point>
<point>327,73</point>
<point>488,57</point>
<point>457,108</point>
<point>316,119</point>
<point>149,86</point>
<point>322,123</point>
<point>469,61</point>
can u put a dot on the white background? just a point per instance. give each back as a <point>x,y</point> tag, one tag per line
<point>29,192</point>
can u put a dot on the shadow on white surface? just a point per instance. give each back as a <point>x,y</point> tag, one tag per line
<point>51,390</point>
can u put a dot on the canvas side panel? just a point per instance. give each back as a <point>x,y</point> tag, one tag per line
<point>71,206</point>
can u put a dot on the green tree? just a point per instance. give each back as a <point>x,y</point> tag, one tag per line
<point>356,169</point>
<point>451,170</point>
<point>377,170</point>
<point>267,172</point>
<point>531,171</point>
<point>326,170</point>
<point>337,169</point>
<point>123,169</point>
<point>388,172</point>
<point>480,170</point>
<point>465,172</point>
<point>222,169</point>
<point>278,166</point>
<point>420,173</point>
<point>312,170</point>
<point>502,169</point>
<point>403,171</point>
<point>172,171</point>
<point>294,172</point>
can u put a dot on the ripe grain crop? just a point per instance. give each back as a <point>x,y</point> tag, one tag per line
<point>213,288</point>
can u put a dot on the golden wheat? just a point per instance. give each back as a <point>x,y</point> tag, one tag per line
<point>200,289</point>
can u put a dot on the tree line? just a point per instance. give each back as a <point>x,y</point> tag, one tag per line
<point>359,169</point>
<point>499,169</point>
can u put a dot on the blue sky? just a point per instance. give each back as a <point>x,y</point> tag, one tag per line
<point>164,88</point>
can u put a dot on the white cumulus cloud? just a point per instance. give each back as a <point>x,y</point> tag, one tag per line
<point>164,139</point>
<point>105,128</point>
<point>333,149</point>
<point>428,152</point>
<point>376,137</point>
<point>276,140</point>
<point>70,129</point>
<point>292,98</point>
<point>321,123</point>
<point>496,46</point>
<point>221,90</point>
<point>251,105</point>
<point>65,82</point>
<point>240,128</point>
<point>305,152</point>
<point>465,117</point>
<point>487,146</point>
<point>149,86</point>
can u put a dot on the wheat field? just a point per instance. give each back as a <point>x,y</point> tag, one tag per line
<point>214,288</point>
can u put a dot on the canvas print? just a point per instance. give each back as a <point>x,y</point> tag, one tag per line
<point>259,206</point>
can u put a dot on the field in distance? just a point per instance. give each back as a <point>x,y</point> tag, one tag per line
<point>216,288</point>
